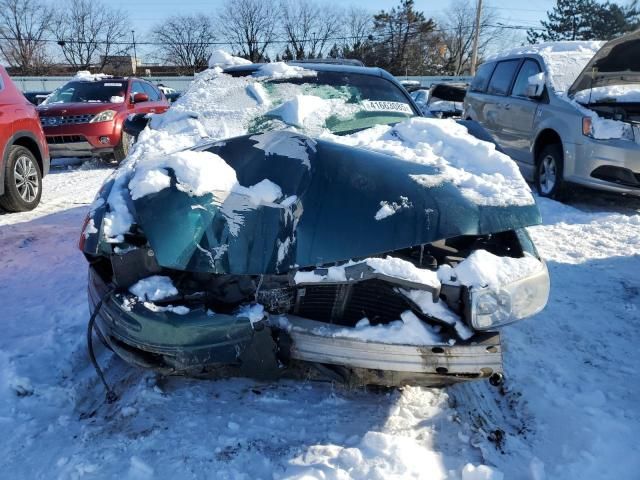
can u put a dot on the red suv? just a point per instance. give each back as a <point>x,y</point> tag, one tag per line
<point>84,117</point>
<point>25,157</point>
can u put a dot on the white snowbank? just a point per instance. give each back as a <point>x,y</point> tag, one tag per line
<point>220,58</point>
<point>483,175</point>
<point>481,472</point>
<point>156,287</point>
<point>564,60</point>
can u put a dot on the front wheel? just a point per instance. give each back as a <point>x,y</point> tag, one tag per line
<point>22,181</point>
<point>124,145</point>
<point>549,173</point>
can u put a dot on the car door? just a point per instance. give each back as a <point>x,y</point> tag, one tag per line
<point>517,117</point>
<point>477,97</point>
<point>499,88</point>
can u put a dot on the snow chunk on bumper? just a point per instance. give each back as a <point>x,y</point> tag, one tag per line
<point>154,288</point>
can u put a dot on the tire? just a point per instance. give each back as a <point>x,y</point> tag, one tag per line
<point>22,181</point>
<point>549,173</point>
<point>124,145</point>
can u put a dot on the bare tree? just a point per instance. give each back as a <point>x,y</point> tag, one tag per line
<point>249,26</point>
<point>357,28</point>
<point>89,31</point>
<point>458,28</point>
<point>185,40</point>
<point>23,25</point>
<point>309,27</point>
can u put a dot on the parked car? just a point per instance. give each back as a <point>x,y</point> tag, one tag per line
<point>25,157</point>
<point>171,94</point>
<point>421,96</point>
<point>36,97</point>
<point>442,100</point>
<point>567,112</point>
<point>84,117</point>
<point>318,227</point>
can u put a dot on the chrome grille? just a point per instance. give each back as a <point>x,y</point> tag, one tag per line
<point>65,120</point>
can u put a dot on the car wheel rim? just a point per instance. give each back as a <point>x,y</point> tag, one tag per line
<point>26,178</point>
<point>548,174</point>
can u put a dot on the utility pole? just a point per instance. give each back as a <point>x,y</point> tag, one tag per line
<point>135,55</point>
<point>476,34</point>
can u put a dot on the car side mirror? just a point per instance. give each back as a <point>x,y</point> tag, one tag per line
<point>535,86</point>
<point>140,97</point>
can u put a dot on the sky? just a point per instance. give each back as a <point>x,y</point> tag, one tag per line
<point>144,14</point>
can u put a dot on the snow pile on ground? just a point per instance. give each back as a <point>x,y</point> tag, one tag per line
<point>220,58</point>
<point>154,288</point>
<point>611,93</point>
<point>564,60</point>
<point>483,175</point>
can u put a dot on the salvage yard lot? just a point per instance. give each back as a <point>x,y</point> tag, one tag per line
<point>568,409</point>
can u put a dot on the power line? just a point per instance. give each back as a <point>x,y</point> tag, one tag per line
<point>65,41</point>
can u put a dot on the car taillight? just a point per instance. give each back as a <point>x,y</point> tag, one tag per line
<point>83,237</point>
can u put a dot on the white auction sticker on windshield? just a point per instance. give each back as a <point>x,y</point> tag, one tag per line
<point>112,84</point>
<point>384,106</point>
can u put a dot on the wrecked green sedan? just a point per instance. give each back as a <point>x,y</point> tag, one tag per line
<point>303,221</point>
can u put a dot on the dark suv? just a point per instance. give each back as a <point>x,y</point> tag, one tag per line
<point>84,117</point>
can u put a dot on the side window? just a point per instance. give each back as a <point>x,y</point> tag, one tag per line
<point>154,96</point>
<point>529,68</point>
<point>502,76</point>
<point>137,87</point>
<point>480,81</point>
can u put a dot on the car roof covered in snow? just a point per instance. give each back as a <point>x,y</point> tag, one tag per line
<point>242,70</point>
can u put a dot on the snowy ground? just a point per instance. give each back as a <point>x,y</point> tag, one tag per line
<point>569,409</point>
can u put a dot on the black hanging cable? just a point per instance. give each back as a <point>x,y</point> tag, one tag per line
<point>111,395</point>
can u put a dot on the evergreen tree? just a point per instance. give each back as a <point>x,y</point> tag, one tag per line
<point>401,35</point>
<point>586,20</point>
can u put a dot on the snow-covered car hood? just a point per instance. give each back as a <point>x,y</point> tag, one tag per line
<point>616,63</point>
<point>281,200</point>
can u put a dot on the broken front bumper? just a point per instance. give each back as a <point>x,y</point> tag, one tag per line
<point>200,343</point>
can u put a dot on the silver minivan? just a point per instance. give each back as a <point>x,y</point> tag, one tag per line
<point>566,112</point>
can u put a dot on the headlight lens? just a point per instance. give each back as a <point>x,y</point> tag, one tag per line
<point>626,130</point>
<point>491,307</point>
<point>104,116</point>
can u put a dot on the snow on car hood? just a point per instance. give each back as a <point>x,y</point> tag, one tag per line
<point>616,63</point>
<point>300,196</point>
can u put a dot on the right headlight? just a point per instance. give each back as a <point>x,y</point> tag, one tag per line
<point>494,307</point>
